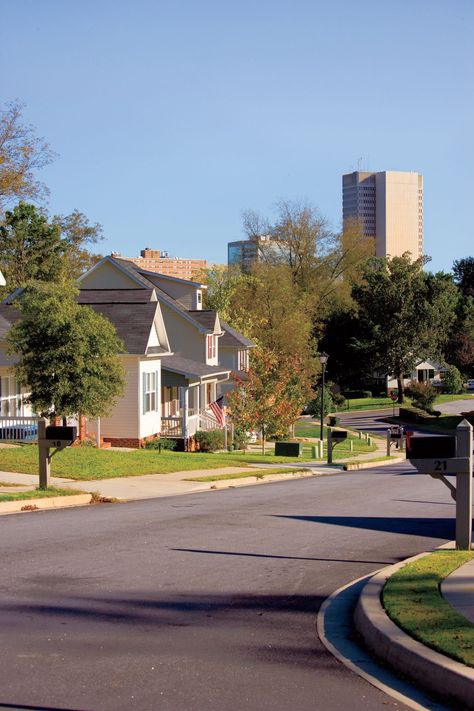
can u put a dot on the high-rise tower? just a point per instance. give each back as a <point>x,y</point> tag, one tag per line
<point>389,207</point>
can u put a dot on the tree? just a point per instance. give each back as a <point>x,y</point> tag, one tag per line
<point>463,270</point>
<point>403,315</point>
<point>30,248</point>
<point>21,154</point>
<point>77,233</point>
<point>452,381</point>
<point>69,354</point>
<point>271,397</point>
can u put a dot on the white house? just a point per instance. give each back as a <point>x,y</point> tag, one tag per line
<point>171,353</point>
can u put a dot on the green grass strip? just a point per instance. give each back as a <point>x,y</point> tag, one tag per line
<point>256,473</point>
<point>414,602</point>
<point>39,494</point>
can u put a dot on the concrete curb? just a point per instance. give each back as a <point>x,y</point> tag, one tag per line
<point>370,464</point>
<point>430,669</point>
<point>54,502</point>
<point>251,480</point>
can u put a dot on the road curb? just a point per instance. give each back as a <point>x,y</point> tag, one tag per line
<point>370,464</point>
<point>430,669</point>
<point>54,502</point>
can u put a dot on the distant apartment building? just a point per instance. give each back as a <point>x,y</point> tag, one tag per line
<point>389,206</point>
<point>243,253</point>
<point>154,260</point>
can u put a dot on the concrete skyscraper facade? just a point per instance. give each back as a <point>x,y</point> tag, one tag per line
<point>389,207</point>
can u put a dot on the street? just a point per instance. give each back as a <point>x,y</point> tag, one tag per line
<point>204,602</point>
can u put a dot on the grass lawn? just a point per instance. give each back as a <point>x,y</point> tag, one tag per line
<point>375,403</point>
<point>89,464</point>
<point>443,424</point>
<point>257,473</point>
<point>413,600</point>
<point>38,494</point>
<point>306,428</point>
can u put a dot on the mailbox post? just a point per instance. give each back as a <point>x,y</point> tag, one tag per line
<point>334,437</point>
<point>55,438</point>
<point>395,434</point>
<point>442,455</point>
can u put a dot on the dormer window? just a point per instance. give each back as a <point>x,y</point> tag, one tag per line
<point>198,303</point>
<point>211,347</point>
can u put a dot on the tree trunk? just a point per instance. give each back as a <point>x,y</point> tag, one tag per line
<point>400,389</point>
<point>263,439</point>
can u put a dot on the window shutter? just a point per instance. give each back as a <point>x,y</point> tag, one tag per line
<point>157,390</point>
<point>143,393</point>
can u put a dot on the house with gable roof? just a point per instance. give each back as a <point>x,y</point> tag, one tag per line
<point>172,356</point>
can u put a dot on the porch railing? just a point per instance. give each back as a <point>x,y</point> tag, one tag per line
<point>19,429</point>
<point>172,426</point>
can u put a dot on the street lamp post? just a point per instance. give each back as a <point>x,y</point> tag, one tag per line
<point>323,358</point>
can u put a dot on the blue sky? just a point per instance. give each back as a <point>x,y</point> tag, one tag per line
<point>171,117</point>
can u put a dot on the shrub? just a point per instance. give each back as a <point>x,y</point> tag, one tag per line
<point>423,395</point>
<point>452,381</point>
<point>338,399</point>
<point>210,440</point>
<point>353,394</point>
<point>314,407</point>
<point>161,443</point>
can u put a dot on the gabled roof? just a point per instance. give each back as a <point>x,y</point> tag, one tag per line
<point>133,322</point>
<point>116,296</point>
<point>8,316</point>
<point>192,369</point>
<point>233,338</point>
<point>147,272</point>
<point>208,319</point>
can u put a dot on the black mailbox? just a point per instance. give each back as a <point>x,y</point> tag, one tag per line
<point>339,434</point>
<point>287,449</point>
<point>435,447</point>
<point>65,434</point>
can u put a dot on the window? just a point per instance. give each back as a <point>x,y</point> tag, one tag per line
<point>199,297</point>
<point>243,360</point>
<point>150,392</point>
<point>10,397</point>
<point>211,347</point>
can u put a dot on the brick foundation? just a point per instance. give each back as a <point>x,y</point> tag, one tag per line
<point>132,442</point>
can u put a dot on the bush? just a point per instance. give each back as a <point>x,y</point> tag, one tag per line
<point>338,399</point>
<point>354,394</point>
<point>161,443</point>
<point>210,440</point>
<point>314,407</point>
<point>452,381</point>
<point>422,395</point>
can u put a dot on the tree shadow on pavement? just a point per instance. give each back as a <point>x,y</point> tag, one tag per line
<point>442,528</point>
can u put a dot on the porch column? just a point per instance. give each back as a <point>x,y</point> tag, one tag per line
<point>185,411</point>
<point>197,402</point>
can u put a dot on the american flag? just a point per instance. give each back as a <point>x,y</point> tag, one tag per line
<point>217,408</point>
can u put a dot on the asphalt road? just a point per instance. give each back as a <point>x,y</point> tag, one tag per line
<point>204,602</point>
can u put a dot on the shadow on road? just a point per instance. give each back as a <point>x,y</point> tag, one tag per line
<point>443,528</point>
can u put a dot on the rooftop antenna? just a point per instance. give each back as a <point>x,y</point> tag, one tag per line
<point>359,164</point>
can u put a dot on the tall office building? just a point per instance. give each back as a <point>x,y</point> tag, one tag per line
<point>389,206</point>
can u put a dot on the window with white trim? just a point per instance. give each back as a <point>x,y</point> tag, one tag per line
<point>211,346</point>
<point>150,391</point>
<point>243,360</point>
<point>10,396</point>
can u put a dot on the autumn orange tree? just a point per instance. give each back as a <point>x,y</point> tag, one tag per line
<point>271,397</point>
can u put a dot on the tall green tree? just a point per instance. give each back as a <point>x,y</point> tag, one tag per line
<point>31,249</point>
<point>403,315</point>
<point>69,354</point>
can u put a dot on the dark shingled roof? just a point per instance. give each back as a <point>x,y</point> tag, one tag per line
<point>205,318</point>
<point>132,321</point>
<point>8,316</point>
<point>115,296</point>
<point>233,338</point>
<point>184,366</point>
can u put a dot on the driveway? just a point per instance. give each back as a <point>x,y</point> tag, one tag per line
<point>456,407</point>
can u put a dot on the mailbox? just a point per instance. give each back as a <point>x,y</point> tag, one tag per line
<point>338,434</point>
<point>435,447</point>
<point>287,449</point>
<point>64,434</point>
